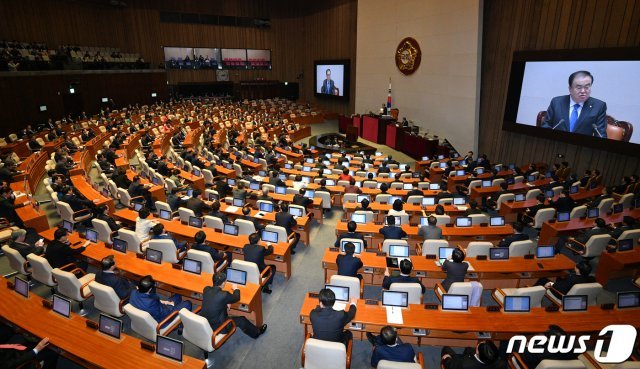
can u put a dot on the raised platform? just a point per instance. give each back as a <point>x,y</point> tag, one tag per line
<point>334,142</point>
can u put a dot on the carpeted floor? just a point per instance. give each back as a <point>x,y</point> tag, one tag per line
<point>279,347</point>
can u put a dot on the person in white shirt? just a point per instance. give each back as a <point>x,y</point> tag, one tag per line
<point>143,224</point>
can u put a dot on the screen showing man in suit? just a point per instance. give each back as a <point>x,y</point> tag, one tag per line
<point>330,79</point>
<point>583,114</point>
<point>582,97</point>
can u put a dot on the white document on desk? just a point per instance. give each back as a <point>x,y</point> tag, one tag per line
<point>394,315</point>
<point>232,209</point>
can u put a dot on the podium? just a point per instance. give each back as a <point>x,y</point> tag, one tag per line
<point>375,128</point>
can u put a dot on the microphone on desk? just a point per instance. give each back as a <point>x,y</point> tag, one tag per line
<point>595,128</point>
<point>559,123</point>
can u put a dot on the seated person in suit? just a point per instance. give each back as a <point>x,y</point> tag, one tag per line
<point>240,192</point>
<point>328,324</point>
<point>76,202</point>
<point>483,356</point>
<point>59,253</point>
<point>473,209</point>
<point>158,233</point>
<point>455,268</point>
<point>146,299</point>
<point>351,187</point>
<point>608,194</point>
<point>364,205</point>
<point>287,221</point>
<point>215,212</point>
<point>144,224</point>
<point>564,204</point>
<point>16,350</point>
<point>299,199</point>
<point>439,210</point>
<point>215,302</point>
<point>530,213</point>
<point>19,244</point>
<point>174,199</point>
<point>392,232</point>
<point>323,185</point>
<point>265,195</point>
<point>533,359</point>
<point>405,270</point>
<point>517,236</point>
<point>397,208</point>
<point>102,212</point>
<point>136,188</point>
<point>201,245</point>
<point>415,192</point>
<point>388,346</point>
<point>583,237</point>
<point>255,253</point>
<point>430,231</point>
<point>120,178</point>
<point>109,277</point>
<point>628,224</point>
<point>348,265</point>
<point>275,180</point>
<point>196,204</point>
<point>351,233</point>
<point>562,285</point>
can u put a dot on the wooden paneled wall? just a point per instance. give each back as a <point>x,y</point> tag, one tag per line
<point>300,33</point>
<point>546,25</point>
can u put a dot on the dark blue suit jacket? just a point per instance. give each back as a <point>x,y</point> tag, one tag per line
<point>401,352</point>
<point>593,111</point>
<point>387,281</point>
<point>121,286</point>
<point>392,233</point>
<point>348,265</point>
<point>150,303</point>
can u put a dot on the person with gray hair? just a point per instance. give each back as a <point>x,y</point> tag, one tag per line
<point>19,243</point>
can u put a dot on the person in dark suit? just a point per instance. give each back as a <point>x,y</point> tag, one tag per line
<point>15,351</point>
<point>564,204</point>
<point>136,188</point>
<point>174,200</point>
<point>214,308</point>
<point>275,180</point>
<point>628,224</point>
<point>58,252</point>
<point>517,236</point>
<point>455,269</point>
<point>120,179</point>
<point>578,112</point>
<point>431,231</point>
<point>348,265</point>
<point>533,359</point>
<point>286,220</point>
<point>19,244</point>
<point>146,299</point>
<point>215,212</point>
<point>328,86</point>
<point>562,285</point>
<point>196,204</point>
<point>222,187</point>
<point>158,233</point>
<point>483,356</point>
<point>387,346</point>
<point>103,214</point>
<point>8,207</point>
<point>529,214</point>
<point>608,194</point>
<point>76,202</point>
<point>390,231</point>
<point>246,211</point>
<point>328,324</point>
<point>405,270</point>
<point>255,253</point>
<point>109,277</point>
<point>351,233</point>
<point>201,245</point>
<point>582,238</point>
<point>300,199</point>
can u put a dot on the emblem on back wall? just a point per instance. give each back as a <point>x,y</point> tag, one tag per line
<point>408,55</point>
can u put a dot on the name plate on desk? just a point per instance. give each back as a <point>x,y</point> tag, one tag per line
<point>176,266</point>
<point>528,257</point>
<point>334,249</point>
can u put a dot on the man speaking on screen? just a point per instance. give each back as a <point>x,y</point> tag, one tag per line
<point>328,86</point>
<point>578,112</point>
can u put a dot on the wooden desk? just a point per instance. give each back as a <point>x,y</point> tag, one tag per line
<point>551,231</point>
<point>77,342</point>
<point>443,325</point>
<point>157,191</point>
<point>90,193</point>
<point>415,211</point>
<point>515,272</point>
<point>170,279</point>
<point>477,193</point>
<point>30,215</point>
<point>618,264</point>
<point>281,256</point>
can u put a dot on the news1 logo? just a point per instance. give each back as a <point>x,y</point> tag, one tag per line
<point>623,337</point>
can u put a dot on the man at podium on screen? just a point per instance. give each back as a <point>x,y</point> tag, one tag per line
<point>578,112</point>
<point>328,86</point>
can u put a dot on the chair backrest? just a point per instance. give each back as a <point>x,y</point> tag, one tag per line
<point>245,227</point>
<point>253,273</point>
<point>68,284</point>
<point>386,364</point>
<point>41,270</point>
<point>326,199</point>
<point>460,288</point>
<point>414,291</point>
<point>477,219</point>
<point>281,231</point>
<point>626,200</point>
<point>596,245</point>
<point>579,212</point>
<point>197,330</point>
<point>605,206</point>
<point>557,190</point>
<point>131,238</point>
<point>522,248</point>
<point>592,290</point>
<point>447,201</point>
<point>388,242</point>
<point>535,293</point>
<point>503,198</point>
<point>125,198</point>
<point>104,232</point>
<point>16,261</point>
<point>213,222</point>
<point>185,213</point>
<point>415,200</point>
<point>352,283</point>
<point>532,194</point>
<point>497,182</point>
<point>161,205</point>
<point>65,211</point>
<point>476,248</point>
<point>633,234</point>
<point>205,259</point>
<point>561,364</point>
<point>432,247</point>
<point>141,322</point>
<point>319,354</point>
<point>542,216</point>
<point>105,299</point>
<point>168,249</point>
<point>383,197</point>
<point>475,183</point>
<point>442,219</point>
<point>368,214</point>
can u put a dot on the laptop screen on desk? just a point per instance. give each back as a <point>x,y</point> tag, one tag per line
<point>310,194</point>
<point>359,218</point>
<point>165,214</point>
<point>499,253</point>
<point>563,217</point>
<point>428,201</point>
<point>21,286</point>
<point>190,192</point>
<point>397,219</point>
<point>496,221</point>
<point>486,183</point>
<point>238,202</point>
<point>358,244</point>
<point>517,304</point>
<point>170,348</point>
<point>399,251</point>
<point>342,293</point>
<point>268,236</point>
<point>306,169</point>
<point>91,235</point>
<point>463,222</point>
<point>543,252</point>
<point>67,225</point>
<point>618,208</point>
<point>407,186</point>
<point>192,266</point>
<point>455,302</point>
<point>444,253</point>
<point>267,207</point>
<point>628,299</point>
<point>395,298</point>
<point>195,222</point>
<point>459,201</point>
<point>281,190</point>
<point>231,181</point>
<point>255,186</point>
<point>62,305</point>
<point>362,197</point>
<point>519,197</point>
<point>230,229</point>
<point>110,326</point>
<point>137,206</point>
<point>213,196</point>
<point>593,213</point>
<point>296,212</point>
<point>154,256</point>
<point>574,189</point>
<point>574,303</point>
<point>236,276</point>
<point>120,245</point>
<point>155,180</point>
<point>625,245</point>
<point>460,173</point>
<point>434,186</point>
